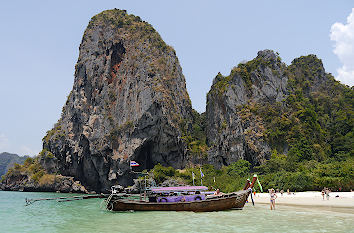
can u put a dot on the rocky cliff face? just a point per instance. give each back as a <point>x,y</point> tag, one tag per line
<point>233,132</point>
<point>240,106</point>
<point>128,98</point>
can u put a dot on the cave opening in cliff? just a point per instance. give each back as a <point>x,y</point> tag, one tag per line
<point>118,52</point>
<point>144,157</point>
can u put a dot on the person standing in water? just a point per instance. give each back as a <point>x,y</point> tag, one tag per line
<point>273,196</point>
<point>327,194</point>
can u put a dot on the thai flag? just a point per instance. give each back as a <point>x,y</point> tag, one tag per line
<point>201,173</point>
<point>133,164</point>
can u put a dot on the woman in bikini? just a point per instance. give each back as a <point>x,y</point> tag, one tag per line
<point>273,196</point>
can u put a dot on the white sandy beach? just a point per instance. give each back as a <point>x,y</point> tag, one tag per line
<point>343,203</point>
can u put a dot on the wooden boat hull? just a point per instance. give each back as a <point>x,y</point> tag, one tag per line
<point>229,201</point>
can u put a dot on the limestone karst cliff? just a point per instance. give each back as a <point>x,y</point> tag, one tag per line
<point>264,104</point>
<point>128,98</point>
<point>233,132</point>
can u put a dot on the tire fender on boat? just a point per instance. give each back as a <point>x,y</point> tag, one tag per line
<point>198,198</point>
<point>163,199</point>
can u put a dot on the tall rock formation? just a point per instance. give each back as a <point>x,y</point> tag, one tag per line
<point>265,104</point>
<point>233,132</point>
<point>127,102</point>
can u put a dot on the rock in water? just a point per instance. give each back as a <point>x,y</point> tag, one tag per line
<point>128,98</point>
<point>233,131</point>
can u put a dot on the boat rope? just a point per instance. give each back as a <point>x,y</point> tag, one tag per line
<point>108,201</point>
<point>62,199</point>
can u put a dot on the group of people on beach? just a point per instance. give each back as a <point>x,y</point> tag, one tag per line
<point>325,191</point>
<point>273,196</point>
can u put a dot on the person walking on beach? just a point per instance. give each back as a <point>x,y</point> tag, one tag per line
<point>323,193</point>
<point>273,196</point>
<point>327,194</point>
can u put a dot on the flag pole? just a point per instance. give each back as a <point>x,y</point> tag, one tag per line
<point>193,177</point>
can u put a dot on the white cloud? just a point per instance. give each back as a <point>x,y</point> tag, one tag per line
<point>343,35</point>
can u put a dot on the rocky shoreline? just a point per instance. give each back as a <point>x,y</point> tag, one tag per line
<point>57,183</point>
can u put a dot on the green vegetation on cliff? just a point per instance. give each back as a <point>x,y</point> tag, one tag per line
<point>30,168</point>
<point>32,176</point>
<point>193,134</point>
<point>7,160</point>
<point>121,19</point>
<point>310,132</point>
<point>316,124</point>
<point>244,70</point>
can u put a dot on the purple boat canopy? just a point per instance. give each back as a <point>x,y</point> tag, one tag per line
<point>179,189</point>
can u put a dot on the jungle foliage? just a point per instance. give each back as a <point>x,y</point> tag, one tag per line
<point>31,168</point>
<point>227,179</point>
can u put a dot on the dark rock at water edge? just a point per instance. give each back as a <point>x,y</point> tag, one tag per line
<point>54,183</point>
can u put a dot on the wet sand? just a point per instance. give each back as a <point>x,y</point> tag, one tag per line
<point>344,203</point>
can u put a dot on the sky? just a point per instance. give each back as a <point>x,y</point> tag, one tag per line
<point>39,46</point>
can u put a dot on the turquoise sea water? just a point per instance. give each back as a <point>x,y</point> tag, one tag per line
<point>86,216</point>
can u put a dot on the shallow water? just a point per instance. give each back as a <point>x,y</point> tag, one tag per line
<point>86,216</point>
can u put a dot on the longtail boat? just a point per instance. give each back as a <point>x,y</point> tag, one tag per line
<point>225,202</point>
<point>197,202</point>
